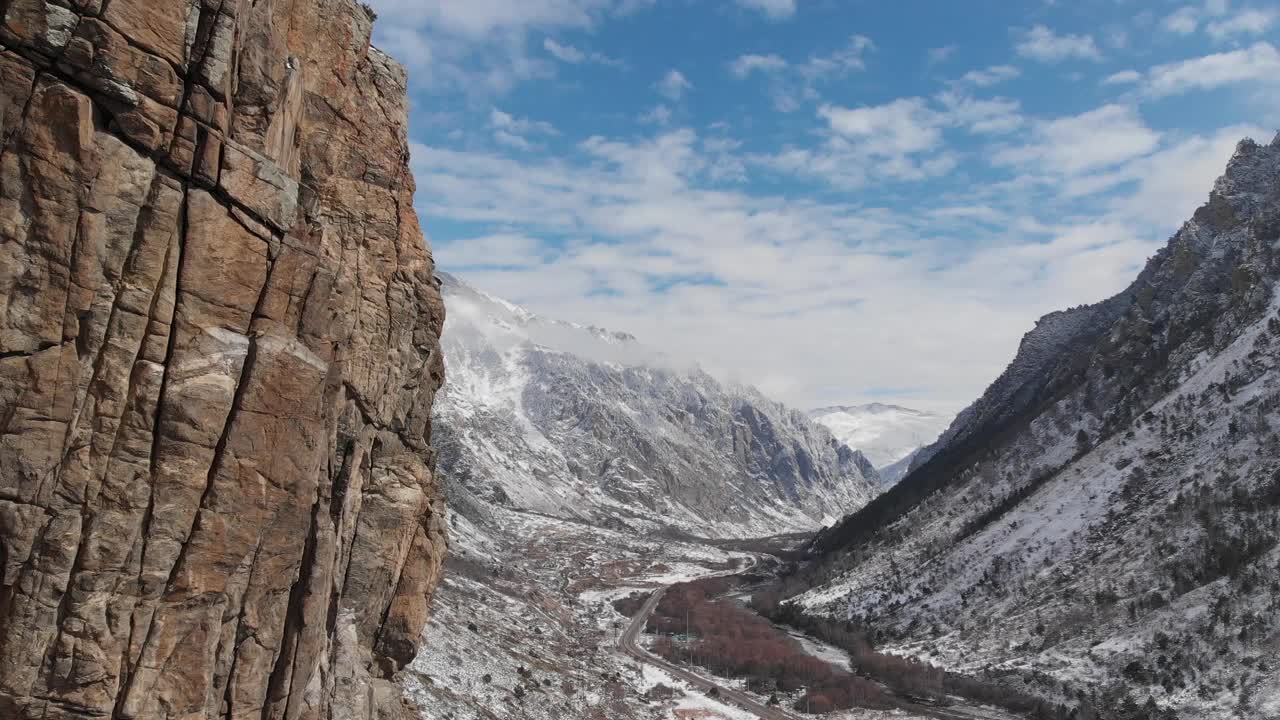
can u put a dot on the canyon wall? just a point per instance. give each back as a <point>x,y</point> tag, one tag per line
<point>219,347</point>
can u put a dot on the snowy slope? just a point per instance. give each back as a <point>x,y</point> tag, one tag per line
<point>581,423</point>
<point>884,433</point>
<point>568,454</point>
<point>1103,524</point>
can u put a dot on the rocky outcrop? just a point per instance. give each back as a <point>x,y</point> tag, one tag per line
<point>218,354</point>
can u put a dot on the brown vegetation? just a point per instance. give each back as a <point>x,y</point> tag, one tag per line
<point>695,624</point>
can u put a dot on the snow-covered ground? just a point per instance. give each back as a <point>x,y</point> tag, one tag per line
<point>523,625</point>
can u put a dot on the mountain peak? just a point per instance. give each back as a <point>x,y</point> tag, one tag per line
<point>1251,172</point>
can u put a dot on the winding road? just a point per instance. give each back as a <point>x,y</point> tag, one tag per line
<point>627,644</point>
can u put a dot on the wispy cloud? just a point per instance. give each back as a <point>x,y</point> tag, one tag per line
<point>634,220</point>
<point>900,127</point>
<point>744,65</point>
<point>791,83</point>
<point>1247,22</point>
<point>939,55</point>
<point>1043,44</point>
<point>514,131</point>
<point>1258,63</point>
<point>1182,21</point>
<point>575,56</point>
<point>816,197</point>
<point>481,47</point>
<point>1124,77</point>
<point>673,85</point>
<point>993,75</point>
<point>773,9</point>
<point>1070,145</point>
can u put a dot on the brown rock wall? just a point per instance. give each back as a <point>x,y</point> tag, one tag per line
<point>218,353</point>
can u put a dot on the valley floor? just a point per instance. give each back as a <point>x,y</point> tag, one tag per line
<point>526,629</point>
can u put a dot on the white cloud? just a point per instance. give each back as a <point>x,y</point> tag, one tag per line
<point>992,116</point>
<point>774,9</point>
<point>993,75</point>
<point>848,58</point>
<point>482,18</point>
<point>574,56</point>
<point>1248,22</point>
<point>1259,63</point>
<point>501,250</point>
<point>1124,77</point>
<point>899,141</point>
<point>636,218</point>
<point>903,126</point>
<point>500,119</point>
<point>673,85</point>
<point>1041,43</point>
<point>792,83</point>
<point>1182,21</point>
<point>480,48</point>
<point>608,230</point>
<point>940,55</point>
<point>744,65</point>
<point>1086,142</point>
<point>512,131</point>
<point>564,53</point>
<point>510,139</point>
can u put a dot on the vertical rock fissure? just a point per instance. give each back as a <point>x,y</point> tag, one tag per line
<point>285,666</point>
<point>179,243</point>
<point>228,692</point>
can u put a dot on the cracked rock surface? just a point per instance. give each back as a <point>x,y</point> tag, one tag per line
<point>219,347</point>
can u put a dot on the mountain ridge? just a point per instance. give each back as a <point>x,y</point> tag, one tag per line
<point>617,433</point>
<point>1118,475</point>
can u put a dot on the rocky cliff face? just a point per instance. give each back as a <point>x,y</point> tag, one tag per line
<point>218,354</point>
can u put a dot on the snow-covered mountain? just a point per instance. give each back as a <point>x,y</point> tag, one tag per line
<point>1103,524</point>
<point>578,422</point>
<point>886,434</point>
<point>569,455</point>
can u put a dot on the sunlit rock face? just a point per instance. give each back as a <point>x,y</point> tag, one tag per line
<point>219,347</point>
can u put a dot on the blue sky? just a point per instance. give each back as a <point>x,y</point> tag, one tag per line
<point>837,201</point>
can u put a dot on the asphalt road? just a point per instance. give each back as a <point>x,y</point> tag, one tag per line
<point>627,644</point>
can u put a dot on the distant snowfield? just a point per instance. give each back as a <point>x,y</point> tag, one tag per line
<point>884,433</point>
